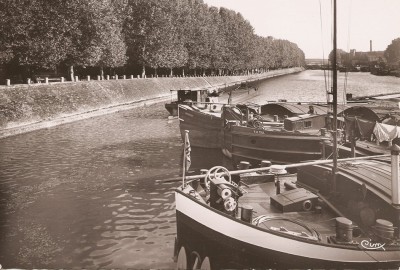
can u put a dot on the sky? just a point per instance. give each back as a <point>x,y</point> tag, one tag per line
<point>308,23</point>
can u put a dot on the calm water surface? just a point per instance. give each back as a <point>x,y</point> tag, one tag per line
<point>86,194</point>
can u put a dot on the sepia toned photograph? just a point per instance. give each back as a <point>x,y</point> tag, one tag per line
<point>199,134</point>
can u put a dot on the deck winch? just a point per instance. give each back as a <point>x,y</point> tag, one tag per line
<point>224,193</point>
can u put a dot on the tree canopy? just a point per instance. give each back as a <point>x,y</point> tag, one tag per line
<point>170,34</point>
<point>392,52</point>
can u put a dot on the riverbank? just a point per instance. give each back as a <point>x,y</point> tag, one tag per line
<point>24,108</point>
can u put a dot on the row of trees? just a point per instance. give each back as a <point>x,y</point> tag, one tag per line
<point>158,34</point>
<point>392,53</point>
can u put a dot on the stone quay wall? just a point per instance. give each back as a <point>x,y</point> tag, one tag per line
<point>28,107</point>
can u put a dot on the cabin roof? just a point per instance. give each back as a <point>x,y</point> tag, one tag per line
<point>373,112</point>
<point>192,90</point>
<point>292,109</point>
<point>376,175</point>
<point>304,117</point>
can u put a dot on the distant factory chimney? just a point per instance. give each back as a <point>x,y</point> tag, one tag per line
<point>370,45</point>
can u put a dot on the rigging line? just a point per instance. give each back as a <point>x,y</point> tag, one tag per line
<point>322,43</point>
<point>348,49</point>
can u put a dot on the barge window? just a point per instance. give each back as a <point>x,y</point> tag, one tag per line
<point>307,124</point>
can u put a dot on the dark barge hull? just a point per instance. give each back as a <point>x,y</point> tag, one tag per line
<point>172,108</point>
<point>254,145</point>
<point>230,243</point>
<point>204,129</point>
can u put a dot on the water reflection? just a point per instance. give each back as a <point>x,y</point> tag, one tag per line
<point>84,195</point>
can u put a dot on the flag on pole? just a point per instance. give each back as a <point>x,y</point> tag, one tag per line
<point>187,160</point>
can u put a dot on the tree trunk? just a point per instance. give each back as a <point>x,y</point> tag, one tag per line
<point>155,72</point>
<point>102,73</point>
<point>204,72</point>
<point>143,71</point>
<point>71,73</point>
<point>171,73</point>
<point>183,72</point>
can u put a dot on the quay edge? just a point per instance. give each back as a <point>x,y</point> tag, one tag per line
<point>24,108</point>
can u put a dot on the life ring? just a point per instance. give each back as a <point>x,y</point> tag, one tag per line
<point>307,205</point>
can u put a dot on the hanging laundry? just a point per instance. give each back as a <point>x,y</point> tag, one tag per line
<point>365,127</point>
<point>385,132</point>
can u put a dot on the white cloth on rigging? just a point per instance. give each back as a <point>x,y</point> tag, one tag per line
<point>384,132</point>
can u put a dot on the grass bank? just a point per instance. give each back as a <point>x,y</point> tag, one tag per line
<point>24,108</point>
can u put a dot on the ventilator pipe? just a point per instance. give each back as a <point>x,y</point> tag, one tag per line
<point>323,150</point>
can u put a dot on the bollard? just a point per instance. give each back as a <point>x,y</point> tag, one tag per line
<point>8,82</point>
<point>98,77</point>
<point>46,80</point>
<point>384,230</point>
<point>88,78</point>
<point>344,230</point>
<point>124,77</point>
<point>28,81</point>
<point>265,163</point>
<point>62,79</point>
<point>244,165</point>
<point>246,213</point>
<point>138,76</point>
<point>76,78</point>
<point>131,77</point>
<point>116,77</point>
<point>108,77</point>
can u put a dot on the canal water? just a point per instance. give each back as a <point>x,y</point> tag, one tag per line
<point>88,194</point>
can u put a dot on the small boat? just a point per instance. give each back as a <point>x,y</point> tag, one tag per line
<point>186,96</point>
<point>278,222</point>
<point>280,132</point>
<point>203,120</point>
<point>372,127</point>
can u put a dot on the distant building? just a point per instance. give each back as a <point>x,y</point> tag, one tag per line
<point>316,61</point>
<point>355,58</point>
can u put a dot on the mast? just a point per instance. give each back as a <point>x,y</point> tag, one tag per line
<point>334,93</point>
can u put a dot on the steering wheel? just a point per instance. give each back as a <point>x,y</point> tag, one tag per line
<point>216,173</point>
